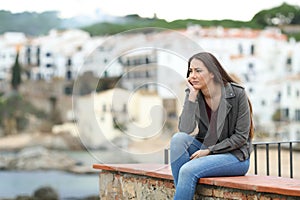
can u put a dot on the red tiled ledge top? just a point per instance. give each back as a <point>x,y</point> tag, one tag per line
<point>269,184</point>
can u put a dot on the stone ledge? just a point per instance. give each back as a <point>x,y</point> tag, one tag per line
<point>265,184</point>
<point>152,170</point>
<point>255,183</point>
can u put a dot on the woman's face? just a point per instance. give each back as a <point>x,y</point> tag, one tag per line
<point>199,76</point>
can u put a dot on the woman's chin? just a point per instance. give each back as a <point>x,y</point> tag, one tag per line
<point>197,87</point>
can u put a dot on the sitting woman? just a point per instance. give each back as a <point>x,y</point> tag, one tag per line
<point>222,111</point>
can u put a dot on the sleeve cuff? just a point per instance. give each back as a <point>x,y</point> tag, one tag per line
<point>211,149</point>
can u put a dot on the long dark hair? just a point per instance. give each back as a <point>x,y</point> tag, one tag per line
<point>220,76</point>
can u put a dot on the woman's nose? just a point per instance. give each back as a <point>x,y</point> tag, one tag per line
<point>192,74</point>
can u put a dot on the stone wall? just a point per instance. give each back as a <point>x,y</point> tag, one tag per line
<point>119,185</point>
<point>40,92</point>
<point>130,186</point>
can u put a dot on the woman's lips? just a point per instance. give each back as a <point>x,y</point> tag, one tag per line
<point>195,82</point>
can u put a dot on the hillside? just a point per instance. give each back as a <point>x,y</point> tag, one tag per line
<point>32,23</point>
<point>284,14</point>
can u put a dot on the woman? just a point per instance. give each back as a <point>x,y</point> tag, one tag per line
<point>221,111</point>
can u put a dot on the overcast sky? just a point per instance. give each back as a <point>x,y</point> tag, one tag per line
<point>166,9</point>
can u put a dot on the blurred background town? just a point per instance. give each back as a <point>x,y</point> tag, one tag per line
<point>78,91</point>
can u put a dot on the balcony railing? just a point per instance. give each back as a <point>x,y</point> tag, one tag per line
<point>279,145</point>
<point>290,145</point>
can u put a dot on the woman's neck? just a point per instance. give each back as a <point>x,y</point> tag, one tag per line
<point>212,91</point>
<point>212,96</point>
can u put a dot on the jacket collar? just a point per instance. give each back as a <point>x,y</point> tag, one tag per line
<point>228,91</point>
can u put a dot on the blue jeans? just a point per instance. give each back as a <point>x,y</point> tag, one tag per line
<point>187,172</point>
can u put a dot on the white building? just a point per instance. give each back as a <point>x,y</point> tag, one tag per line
<point>59,54</point>
<point>104,117</point>
<point>140,70</point>
<point>263,60</point>
<point>10,42</point>
<point>290,108</point>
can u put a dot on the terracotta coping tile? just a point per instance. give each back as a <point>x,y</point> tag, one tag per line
<point>153,170</point>
<point>269,184</point>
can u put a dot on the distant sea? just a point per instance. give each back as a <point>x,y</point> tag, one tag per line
<point>67,185</point>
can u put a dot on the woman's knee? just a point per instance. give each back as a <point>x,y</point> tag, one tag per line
<point>180,137</point>
<point>187,172</point>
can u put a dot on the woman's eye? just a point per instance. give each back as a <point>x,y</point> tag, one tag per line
<point>195,70</point>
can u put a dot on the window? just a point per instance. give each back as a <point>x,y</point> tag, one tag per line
<point>105,73</point>
<point>69,75</point>
<point>251,69</point>
<point>297,115</point>
<point>250,66</point>
<point>68,90</point>
<point>288,90</point>
<point>172,115</point>
<point>104,108</point>
<point>289,61</point>
<point>278,98</point>
<point>250,90</point>
<point>38,51</point>
<point>285,113</point>
<point>252,49</point>
<point>289,64</point>
<point>28,50</point>
<point>48,65</point>
<point>240,47</point>
<point>69,62</point>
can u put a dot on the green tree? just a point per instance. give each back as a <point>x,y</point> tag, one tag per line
<point>283,14</point>
<point>16,74</point>
<point>14,112</point>
<point>30,23</point>
<point>276,116</point>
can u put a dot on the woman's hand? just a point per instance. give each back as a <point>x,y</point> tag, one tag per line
<point>193,91</point>
<point>200,153</point>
